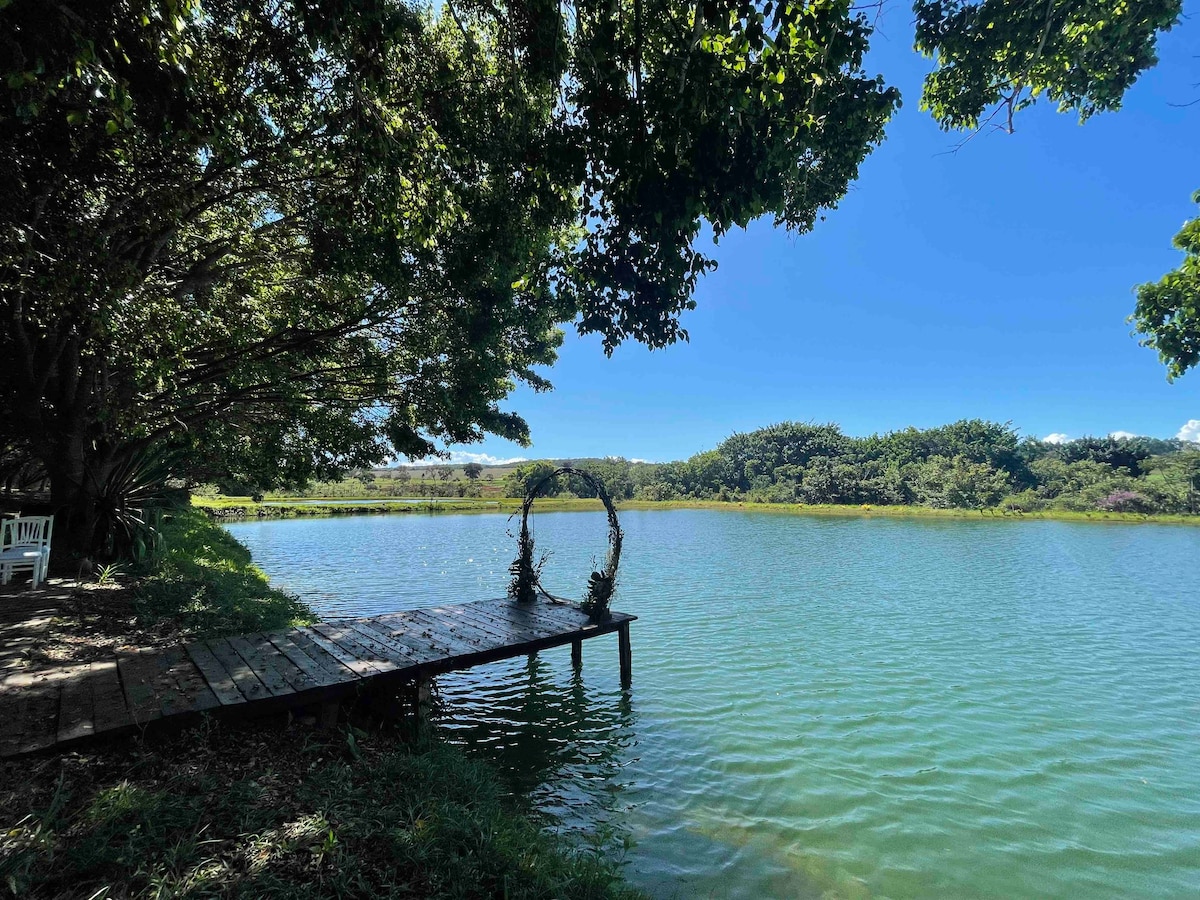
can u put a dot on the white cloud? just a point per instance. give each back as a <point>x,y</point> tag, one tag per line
<point>1056,438</point>
<point>1121,435</point>
<point>637,460</point>
<point>1190,431</point>
<point>462,457</point>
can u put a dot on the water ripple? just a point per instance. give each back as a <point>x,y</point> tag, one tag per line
<point>830,707</point>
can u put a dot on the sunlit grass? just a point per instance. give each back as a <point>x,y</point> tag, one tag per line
<point>205,584</point>
<point>575,504</point>
<point>281,813</point>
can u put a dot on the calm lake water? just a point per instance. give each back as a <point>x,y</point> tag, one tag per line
<point>829,707</point>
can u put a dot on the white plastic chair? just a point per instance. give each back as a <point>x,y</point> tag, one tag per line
<point>25,544</point>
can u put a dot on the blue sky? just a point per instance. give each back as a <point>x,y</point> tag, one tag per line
<point>991,282</point>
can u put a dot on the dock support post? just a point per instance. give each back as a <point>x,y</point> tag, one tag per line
<point>422,702</point>
<point>577,654</point>
<point>327,714</point>
<point>626,654</point>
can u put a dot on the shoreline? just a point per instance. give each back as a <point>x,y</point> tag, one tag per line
<point>238,508</point>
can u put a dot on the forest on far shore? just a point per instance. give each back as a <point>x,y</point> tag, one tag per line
<point>970,464</point>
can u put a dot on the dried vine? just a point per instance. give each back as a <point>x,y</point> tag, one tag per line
<point>526,574</point>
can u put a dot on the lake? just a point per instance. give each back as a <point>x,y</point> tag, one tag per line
<point>828,707</point>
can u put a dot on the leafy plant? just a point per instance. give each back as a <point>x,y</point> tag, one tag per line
<point>129,507</point>
<point>107,574</point>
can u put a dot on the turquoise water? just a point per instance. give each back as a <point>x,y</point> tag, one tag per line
<point>829,707</point>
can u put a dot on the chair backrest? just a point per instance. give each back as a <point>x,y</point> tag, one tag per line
<point>28,531</point>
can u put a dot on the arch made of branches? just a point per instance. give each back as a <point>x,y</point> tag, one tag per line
<point>526,574</point>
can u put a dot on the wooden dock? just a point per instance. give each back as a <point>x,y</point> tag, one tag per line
<point>313,667</point>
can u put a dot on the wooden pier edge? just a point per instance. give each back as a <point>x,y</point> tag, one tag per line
<point>315,669</point>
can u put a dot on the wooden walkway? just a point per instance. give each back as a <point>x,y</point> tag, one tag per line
<point>317,666</point>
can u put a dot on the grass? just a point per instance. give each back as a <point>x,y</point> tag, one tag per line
<point>574,504</point>
<point>246,507</point>
<point>205,584</point>
<point>282,812</point>
<point>902,512</point>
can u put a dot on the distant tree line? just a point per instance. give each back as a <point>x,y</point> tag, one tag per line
<point>970,464</point>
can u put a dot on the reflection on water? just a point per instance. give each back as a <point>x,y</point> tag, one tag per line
<point>829,707</point>
<point>555,737</point>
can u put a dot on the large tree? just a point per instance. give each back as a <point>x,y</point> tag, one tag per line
<point>281,238</point>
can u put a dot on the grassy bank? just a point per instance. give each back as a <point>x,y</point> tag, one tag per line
<point>903,512</point>
<point>282,811</point>
<point>222,507</point>
<point>272,808</point>
<point>205,584</point>
<point>575,504</point>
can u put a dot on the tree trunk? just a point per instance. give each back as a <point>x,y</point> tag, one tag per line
<point>77,480</point>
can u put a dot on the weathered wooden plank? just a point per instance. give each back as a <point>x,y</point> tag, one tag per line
<point>220,682</point>
<point>383,659</point>
<point>515,618</point>
<point>263,665</point>
<point>461,616</point>
<point>139,669</point>
<point>521,626</point>
<point>567,617</point>
<point>295,675</point>
<point>108,699</point>
<point>316,675</point>
<point>39,724</point>
<point>457,613</point>
<point>477,638</point>
<point>181,688</point>
<point>402,630</point>
<point>420,630</point>
<point>365,646</point>
<point>375,630</point>
<point>354,645</point>
<point>570,620</point>
<point>439,629</point>
<point>567,613</point>
<point>30,710</point>
<point>76,706</point>
<point>487,633</point>
<point>327,661</point>
<point>360,667</point>
<point>243,676</point>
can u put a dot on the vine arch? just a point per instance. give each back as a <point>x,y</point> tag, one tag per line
<point>526,574</point>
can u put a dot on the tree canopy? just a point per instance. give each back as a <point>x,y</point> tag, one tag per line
<point>1000,56</point>
<point>1168,310</point>
<point>970,464</point>
<point>278,239</point>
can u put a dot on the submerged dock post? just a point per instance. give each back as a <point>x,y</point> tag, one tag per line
<point>626,654</point>
<point>577,654</point>
<point>422,702</point>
